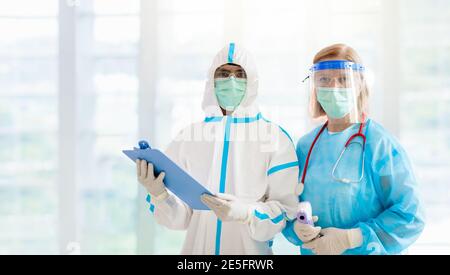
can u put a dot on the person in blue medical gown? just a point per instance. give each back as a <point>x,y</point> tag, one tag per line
<point>356,175</point>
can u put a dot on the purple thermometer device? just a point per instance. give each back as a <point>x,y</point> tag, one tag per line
<point>304,213</point>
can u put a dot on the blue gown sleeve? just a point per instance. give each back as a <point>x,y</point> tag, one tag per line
<point>288,231</point>
<point>402,221</point>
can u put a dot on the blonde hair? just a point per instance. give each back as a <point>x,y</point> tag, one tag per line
<point>341,52</point>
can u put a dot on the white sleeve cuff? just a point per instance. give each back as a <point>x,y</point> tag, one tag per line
<point>161,197</point>
<point>249,217</point>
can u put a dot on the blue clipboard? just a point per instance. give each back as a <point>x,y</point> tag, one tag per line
<point>176,180</point>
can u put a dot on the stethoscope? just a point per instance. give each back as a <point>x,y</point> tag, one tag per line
<point>349,142</point>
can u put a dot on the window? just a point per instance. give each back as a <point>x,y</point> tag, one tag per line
<point>424,103</point>
<point>108,92</point>
<point>107,40</point>
<point>28,126</point>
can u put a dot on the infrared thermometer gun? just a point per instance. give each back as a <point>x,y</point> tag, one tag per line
<point>304,213</point>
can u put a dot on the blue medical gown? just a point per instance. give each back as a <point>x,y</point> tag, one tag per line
<point>384,205</point>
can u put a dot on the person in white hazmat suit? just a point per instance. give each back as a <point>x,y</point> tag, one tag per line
<point>249,163</point>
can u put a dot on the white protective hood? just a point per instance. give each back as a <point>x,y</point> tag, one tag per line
<point>237,55</point>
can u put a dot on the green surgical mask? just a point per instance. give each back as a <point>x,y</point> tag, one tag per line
<point>230,92</point>
<point>336,102</point>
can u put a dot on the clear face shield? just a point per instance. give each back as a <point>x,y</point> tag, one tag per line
<point>336,85</point>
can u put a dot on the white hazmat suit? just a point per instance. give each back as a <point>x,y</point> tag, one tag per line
<point>243,155</point>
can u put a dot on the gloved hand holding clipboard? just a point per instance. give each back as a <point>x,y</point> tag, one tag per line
<point>176,180</point>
